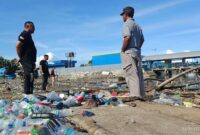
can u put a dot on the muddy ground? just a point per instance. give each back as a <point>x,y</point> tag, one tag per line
<point>147,119</point>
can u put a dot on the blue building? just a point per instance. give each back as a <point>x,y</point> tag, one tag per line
<point>106,59</point>
<point>182,59</point>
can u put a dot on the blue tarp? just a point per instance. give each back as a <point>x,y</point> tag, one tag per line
<point>4,75</point>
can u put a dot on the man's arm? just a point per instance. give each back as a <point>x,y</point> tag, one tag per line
<point>18,49</point>
<point>126,37</point>
<point>142,39</point>
<point>125,43</point>
<point>41,71</point>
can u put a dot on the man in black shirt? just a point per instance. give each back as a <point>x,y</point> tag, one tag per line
<point>27,52</point>
<point>44,70</point>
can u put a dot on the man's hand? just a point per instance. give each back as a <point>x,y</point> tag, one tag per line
<point>17,61</point>
<point>18,48</point>
<point>125,43</point>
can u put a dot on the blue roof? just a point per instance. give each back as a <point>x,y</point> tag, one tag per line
<point>106,59</point>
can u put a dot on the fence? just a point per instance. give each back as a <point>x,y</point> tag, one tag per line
<point>66,71</point>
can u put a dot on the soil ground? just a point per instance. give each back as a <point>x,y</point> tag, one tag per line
<point>147,119</point>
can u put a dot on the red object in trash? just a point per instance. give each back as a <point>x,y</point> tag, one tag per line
<point>79,98</point>
<point>9,108</point>
<point>42,103</point>
<point>114,94</point>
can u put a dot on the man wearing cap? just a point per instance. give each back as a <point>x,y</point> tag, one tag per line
<point>131,53</point>
<point>27,52</point>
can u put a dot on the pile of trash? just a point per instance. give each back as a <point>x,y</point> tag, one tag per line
<point>38,115</point>
<point>188,100</point>
<point>48,115</point>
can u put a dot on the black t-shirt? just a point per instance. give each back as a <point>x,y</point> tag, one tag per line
<point>45,68</point>
<point>28,51</point>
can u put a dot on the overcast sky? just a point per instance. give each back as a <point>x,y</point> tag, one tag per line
<point>90,27</point>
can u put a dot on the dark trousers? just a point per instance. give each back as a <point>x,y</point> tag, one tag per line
<point>28,68</point>
<point>44,81</point>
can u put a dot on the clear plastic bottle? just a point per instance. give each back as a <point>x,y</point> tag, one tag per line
<point>71,131</point>
<point>66,112</point>
<point>9,130</point>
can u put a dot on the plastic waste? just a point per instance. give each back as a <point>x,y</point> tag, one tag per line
<point>64,112</point>
<point>57,105</point>
<point>9,130</point>
<point>24,130</point>
<point>114,85</point>
<point>17,109</point>
<point>87,113</point>
<point>71,102</point>
<point>80,97</point>
<point>114,101</point>
<point>44,131</point>
<point>2,103</point>
<point>100,95</point>
<point>169,100</point>
<point>53,96</point>
<point>40,97</point>
<point>71,131</point>
<point>24,104</point>
<point>164,101</point>
<point>34,131</point>
<point>30,98</point>
<point>37,108</point>
<point>188,104</point>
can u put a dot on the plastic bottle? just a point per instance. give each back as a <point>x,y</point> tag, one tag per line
<point>9,130</point>
<point>80,98</point>
<point>67,112</point>
<point>61,130</point>
<point>71,131</point>
<point>2,103</point>
<point>24,130</point>
<point>64,112</point>
<point>34,131</point>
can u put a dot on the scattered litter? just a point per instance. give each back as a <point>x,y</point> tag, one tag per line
<point>87,113</point>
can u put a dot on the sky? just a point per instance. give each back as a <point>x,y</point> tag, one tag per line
<point>91,27</point>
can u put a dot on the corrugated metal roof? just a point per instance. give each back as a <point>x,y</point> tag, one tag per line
<point>193,54</point>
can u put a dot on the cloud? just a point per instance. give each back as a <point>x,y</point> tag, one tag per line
<point>186,51</point>
<point>169,51</point>
<point>184,32</point>
<point>160,7</point>
<point>41,45</point>
<point>115,19</point>
<point>173,23</point>
<point>97,29</point>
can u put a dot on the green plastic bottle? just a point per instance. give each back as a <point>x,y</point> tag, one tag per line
<point>34,131</point>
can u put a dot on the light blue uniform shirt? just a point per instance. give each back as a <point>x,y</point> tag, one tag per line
<point>134,31</point>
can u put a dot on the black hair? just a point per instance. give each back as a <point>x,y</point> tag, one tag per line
<point>130,11</point>
<point>46,55</point>
<point>28,22</point>
<point>130,14</point>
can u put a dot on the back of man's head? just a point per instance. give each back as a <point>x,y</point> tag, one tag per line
<point>27,23</point>
<point>46,55</point>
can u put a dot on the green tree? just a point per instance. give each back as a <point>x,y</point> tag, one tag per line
<point>10,65</point>
<point>90,62</point>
